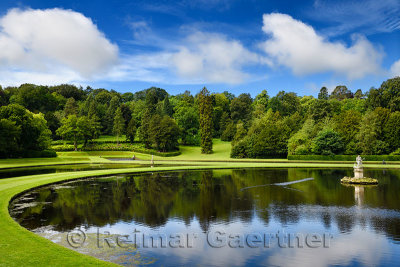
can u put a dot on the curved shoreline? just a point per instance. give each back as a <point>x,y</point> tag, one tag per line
<point>20,247</point>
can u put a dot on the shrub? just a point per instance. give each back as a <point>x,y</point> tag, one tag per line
<point>239,150</point>
<point>345,157</point>
<point>64,147</point>
<point>328,142</point>
<point>39,154</point>
<point>302,150</point>
<point>396,152</point>
<point>114,147</point>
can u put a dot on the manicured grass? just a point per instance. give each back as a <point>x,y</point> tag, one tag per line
<point>19,247</point>
<point>190,155</point>
<point>109,138</point>
<point>221,152</point>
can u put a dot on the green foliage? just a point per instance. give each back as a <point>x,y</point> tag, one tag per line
<point>366,123</point>
<point>266,138</point>
<point>345,157</point>
<point>328,142</point>
<point>239,150</point>
<point>205,112</point>
<point>390,91</point>
<point>131,131</point>
<point>90,128</point>
<point>321,109</point>
<point>240,133</point>
<point>167,107</point>
<point>323,94</point>
<point>78,128</point>
<point>262,99</point>
<point>9,135</point>
<point>144,135</point>
<point>187,117</point>
<point>127,97</point>
<point>341,92</point>
<point>69,130</point>
<point>68,91</point>
<point>284,103</point>
<point>99,146</point>
<point>103,97</point>
<point>371,136</point>
<point>229,133</point>
<point>157,94</point>
<point>354,104</point>
<point>43,140</point>
<point>241,108</point>
<point>35,98</point>
<point>22,130</point>
<point>119,124</point>
<point>220,109</point>
<point>71,108</point>
<point>396,152</point>
<point>3,97</point>
<point>391,131</point>
<point>126,114</point>
<point>359,94</point>
<point>301,142</point>
<point>39,154</point>
<point>164,133</point>
<point>347,124</point>
<point>110,115</point>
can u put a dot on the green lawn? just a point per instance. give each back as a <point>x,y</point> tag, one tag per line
<point>110,138</point>
<point>20,247</point>
<point>190,155</point>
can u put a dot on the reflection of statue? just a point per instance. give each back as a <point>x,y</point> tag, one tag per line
<point>359,195</point>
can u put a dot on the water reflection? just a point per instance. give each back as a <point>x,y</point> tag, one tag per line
<point>359,194</point>
<point>16,172</point>
<point>203,201</point>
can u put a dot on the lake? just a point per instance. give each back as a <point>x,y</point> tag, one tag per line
<point>24,171</point>
<point>236,217</point>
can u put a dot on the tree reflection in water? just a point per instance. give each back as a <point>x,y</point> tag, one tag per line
<point>215,197</point>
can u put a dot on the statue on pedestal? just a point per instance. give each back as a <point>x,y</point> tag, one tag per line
<point>358,168</point>
<point>359,176</point>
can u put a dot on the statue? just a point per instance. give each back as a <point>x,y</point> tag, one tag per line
<point>359,179</point>
<point>359,161</point>
<point>358,168</point>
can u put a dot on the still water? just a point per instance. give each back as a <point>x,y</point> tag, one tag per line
<point>22,171</point>
<point>240,217</point>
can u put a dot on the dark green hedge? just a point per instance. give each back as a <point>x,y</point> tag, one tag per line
<point>32,154</point>
<point>39,154</point>
<point>113,147</point>
<point>62,142</point>
<point>345,157</point>
<point>157,153</point>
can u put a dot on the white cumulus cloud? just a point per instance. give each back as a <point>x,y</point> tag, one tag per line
<point>298,46</point>
<point>62,44</point>
<point>395,69</point>
<point>207,57</point>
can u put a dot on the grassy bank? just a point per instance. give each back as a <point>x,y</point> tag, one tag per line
<point>19,247</point>
<point>190,155</point>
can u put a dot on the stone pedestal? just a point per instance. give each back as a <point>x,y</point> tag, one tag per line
<point>358,173</point>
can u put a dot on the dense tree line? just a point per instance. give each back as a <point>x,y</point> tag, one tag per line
<point>340,122</point>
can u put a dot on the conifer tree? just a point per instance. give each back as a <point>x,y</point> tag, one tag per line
<point>119,124</point>
<point>205,111</point>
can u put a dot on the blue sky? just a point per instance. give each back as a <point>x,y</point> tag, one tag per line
<point>240,46</point>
